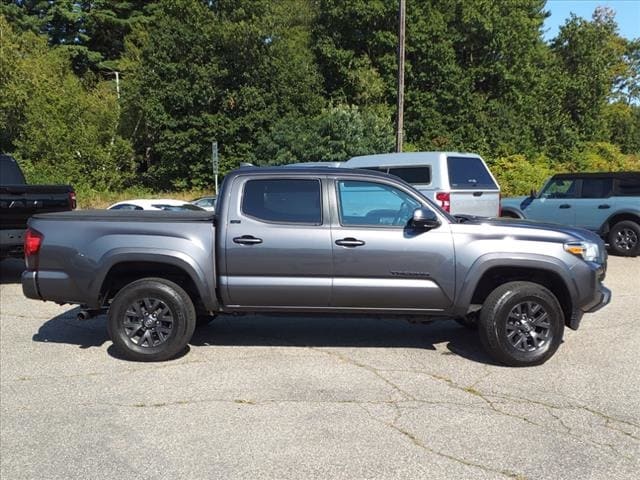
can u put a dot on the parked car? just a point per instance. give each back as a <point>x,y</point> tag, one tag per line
<point>18,201</point>
<point>606,203</point>
<point>207,203</point>
<point>309,241</point>
<point>155,204</point>
<point>460,183</point>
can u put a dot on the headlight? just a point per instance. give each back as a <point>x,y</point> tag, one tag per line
<point>586,250</point>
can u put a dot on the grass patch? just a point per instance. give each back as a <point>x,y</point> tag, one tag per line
<point>90,199</point>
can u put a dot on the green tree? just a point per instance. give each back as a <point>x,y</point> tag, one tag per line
<point>591,56</point>
<point>225,71</point>
<point>63,129</point>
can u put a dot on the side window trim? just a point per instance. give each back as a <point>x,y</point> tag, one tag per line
<point>336,186</point>
<point>270,222</point>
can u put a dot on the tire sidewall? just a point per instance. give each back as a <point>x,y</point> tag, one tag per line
<point>151,289</point>
<point>494,325</point>
<point>612,235</point>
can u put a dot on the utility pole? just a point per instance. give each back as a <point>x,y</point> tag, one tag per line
<point>400,104</point>
<point>118,84</point>
<point>215,163</point>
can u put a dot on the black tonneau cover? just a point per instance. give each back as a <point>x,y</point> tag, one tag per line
<point>130,215</point>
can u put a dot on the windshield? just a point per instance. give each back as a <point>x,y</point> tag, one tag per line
<point>10,173</point>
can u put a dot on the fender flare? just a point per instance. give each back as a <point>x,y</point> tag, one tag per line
<point>492,260</point>
<point>168,257</point>
<point>517,212</point>
<point>605,227</point>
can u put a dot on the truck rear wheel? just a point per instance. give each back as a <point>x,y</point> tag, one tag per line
<point>624,238</point>
<point>521,324</point>
<point>151,320</point>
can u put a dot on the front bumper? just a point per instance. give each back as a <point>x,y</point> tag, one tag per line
<point>602,299</point>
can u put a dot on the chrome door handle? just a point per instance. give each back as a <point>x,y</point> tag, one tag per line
<point>349,242</point>
<point>247,240</point>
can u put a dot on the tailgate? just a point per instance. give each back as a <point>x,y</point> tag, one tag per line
<point>481,203</point>
<point>19,202</point>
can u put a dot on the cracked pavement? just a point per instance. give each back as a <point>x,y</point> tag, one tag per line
<point>334,397</point>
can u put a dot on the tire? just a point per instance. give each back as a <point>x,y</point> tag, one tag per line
<point>521,324</point>
<point>509,214</point>
<point>624,238</point>
<point>151,320</point>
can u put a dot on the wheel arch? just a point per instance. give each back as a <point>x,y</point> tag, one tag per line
<point>619,216</point>
<point>491,271</point>
<point>511,212</point>
<point>121,269</point>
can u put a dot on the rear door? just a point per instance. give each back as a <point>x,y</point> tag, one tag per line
<point>278,243</point>
<point>474,191</point>
<point>594,204</point>
<point>380,263</point>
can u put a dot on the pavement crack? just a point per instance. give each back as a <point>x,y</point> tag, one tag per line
<point>566,430</point>
<point>415,440</point>
<point>366,367</point>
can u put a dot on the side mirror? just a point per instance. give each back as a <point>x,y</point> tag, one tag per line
<point>424,218</point>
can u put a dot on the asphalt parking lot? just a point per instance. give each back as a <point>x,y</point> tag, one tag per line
<point>347,398</point>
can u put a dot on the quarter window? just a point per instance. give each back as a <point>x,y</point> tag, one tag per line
<point>374,204</point>
<point>628,186</point>
<point>283,201</point>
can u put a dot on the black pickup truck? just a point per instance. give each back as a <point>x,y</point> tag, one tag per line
<point>18,201</point>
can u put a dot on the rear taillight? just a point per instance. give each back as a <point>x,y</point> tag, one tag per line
<point>445,200</point>
<point>32,242</point>
<point>72,200</point>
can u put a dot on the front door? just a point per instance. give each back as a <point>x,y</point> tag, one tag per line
<point>556,203</point>
<point>380,262</point>
<point>278,244</point>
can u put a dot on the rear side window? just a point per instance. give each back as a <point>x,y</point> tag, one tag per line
<point>628,187</point>
<point>469,173</point>
<point>10,173</point>
<point>413,175</point>
<point>596,187</point>
<point>283,201</point>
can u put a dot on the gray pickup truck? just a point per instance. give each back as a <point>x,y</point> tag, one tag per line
<point>317,241</point>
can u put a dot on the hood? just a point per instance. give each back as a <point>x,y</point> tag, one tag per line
<point>530,229</point>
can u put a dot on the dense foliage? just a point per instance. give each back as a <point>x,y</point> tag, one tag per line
<point>281,81</point>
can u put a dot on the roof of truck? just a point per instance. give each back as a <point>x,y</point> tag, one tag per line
<point>315,170</point>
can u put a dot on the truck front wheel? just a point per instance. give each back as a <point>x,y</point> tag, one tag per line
<point>521,324</point>
<point>151,320</point>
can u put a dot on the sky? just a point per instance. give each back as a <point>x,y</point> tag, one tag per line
<point>627,14</point>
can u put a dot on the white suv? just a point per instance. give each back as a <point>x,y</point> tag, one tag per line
<point>460,183</point>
